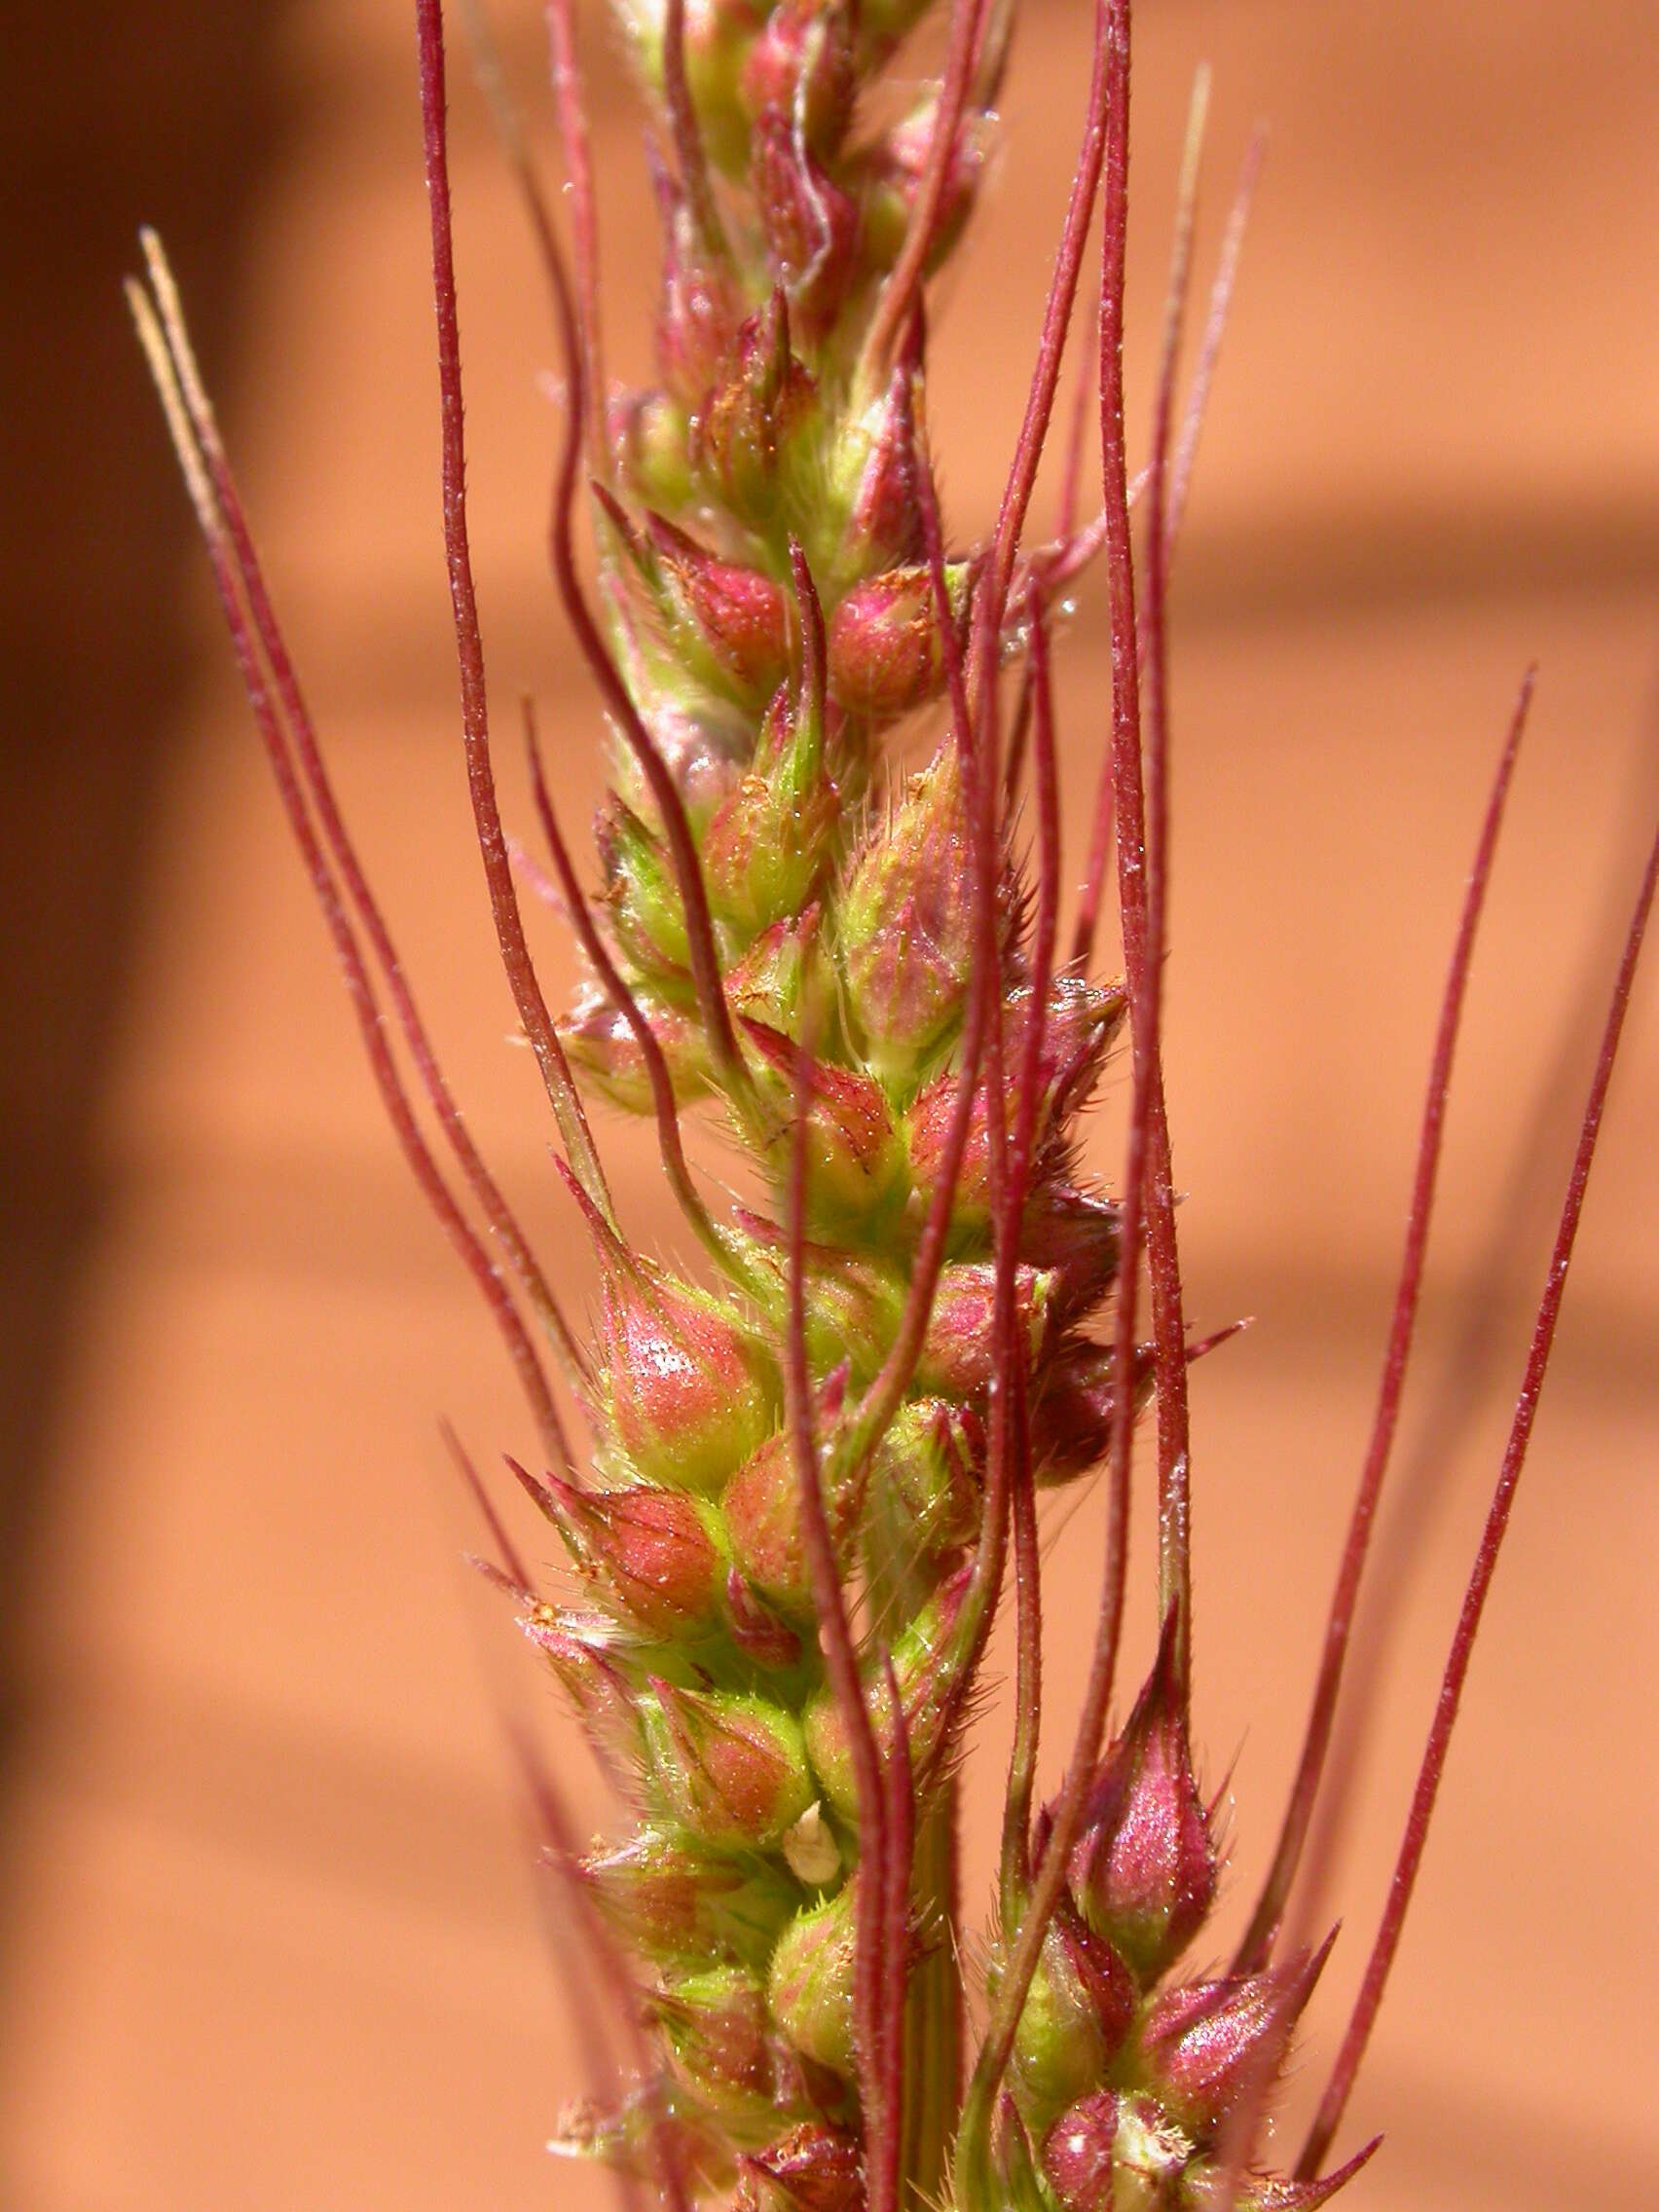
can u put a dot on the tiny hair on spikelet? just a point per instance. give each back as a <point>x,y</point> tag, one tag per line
<point>787,1486</point>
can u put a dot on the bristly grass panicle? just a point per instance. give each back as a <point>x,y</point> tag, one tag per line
<point>805,1471</point>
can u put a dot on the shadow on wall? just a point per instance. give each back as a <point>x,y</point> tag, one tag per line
<point>167,113</point>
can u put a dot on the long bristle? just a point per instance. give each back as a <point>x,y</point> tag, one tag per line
<point>1423,1798</point>
<point>1258,1940</point>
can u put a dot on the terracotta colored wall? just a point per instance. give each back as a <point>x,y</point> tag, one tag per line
<point>270,1942</point>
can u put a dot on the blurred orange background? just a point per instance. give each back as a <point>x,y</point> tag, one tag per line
<point>271,1933</point>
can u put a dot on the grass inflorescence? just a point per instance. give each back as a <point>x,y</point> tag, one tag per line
<point>812,1464</point>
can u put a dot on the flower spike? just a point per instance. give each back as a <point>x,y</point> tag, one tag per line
<point>814,1465</point>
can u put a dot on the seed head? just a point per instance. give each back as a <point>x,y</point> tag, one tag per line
<point>657,1555</point>
<point>886,643</point>
<point>686,1389</point>
<point>719,2031</point>
<point>682,1907</point>
<point>927,1476</point>
<point>761,1507</point>
<point>812,1981</point>
<point>959,1351</point>
<point>1208,2044</point>
<point>731,1768</point>
<point>768,846</point>
<point>854,1157</point>
<point>801,67</point>
<point>765,607</point>
<point>928,1664</point>
<point>1144,1868</point>
<point>756,418</point>
<point>1076,2018</point>
<point>907,925</point>
<point>811,226</point>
